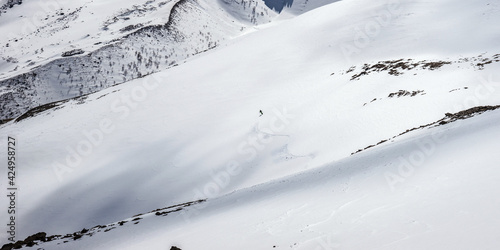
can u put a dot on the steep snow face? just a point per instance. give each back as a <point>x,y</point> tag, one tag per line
<point>329,82</point>
<point>31,29</point>
<point>101,45</point>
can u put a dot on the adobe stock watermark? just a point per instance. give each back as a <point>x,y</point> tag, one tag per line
<point>12,190</point>
<point>248,150</point>
<point>407,165</point>
<point>93,138</point>
<point>428,146</point>
<point>365,35</point>
<point>30,25</point>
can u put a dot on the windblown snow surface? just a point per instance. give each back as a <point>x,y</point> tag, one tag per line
<point>182,157</point>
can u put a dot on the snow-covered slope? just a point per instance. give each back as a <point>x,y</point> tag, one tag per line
<point>331,82</point>
<point>71,48</point>
<point>374,200</point>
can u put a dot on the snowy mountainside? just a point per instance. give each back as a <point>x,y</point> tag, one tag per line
<point>379,130</point>
<point>7,4</point>
<point>94,51</point>
<point>344,205</point>
<point>288,8</point>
